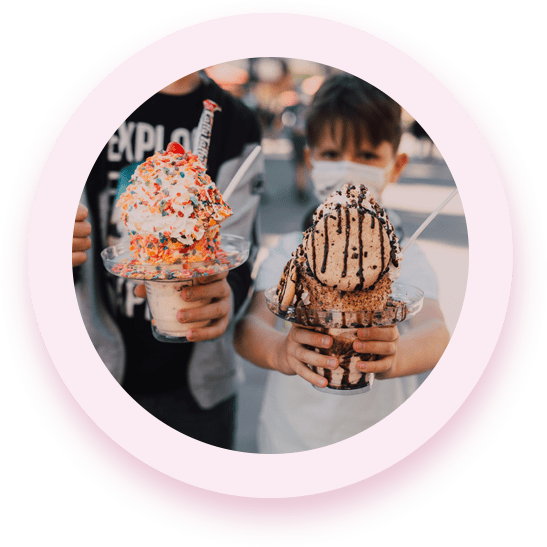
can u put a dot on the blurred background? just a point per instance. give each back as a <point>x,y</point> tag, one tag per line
<point>279,90</point>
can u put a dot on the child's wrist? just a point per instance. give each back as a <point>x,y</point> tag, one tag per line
<point>281,357</point>
<point>400,365</point>
<point>275,354</point>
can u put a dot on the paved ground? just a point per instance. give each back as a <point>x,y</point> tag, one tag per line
<point>426,182</point>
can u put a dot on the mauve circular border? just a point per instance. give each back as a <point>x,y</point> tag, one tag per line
<point>355,509</point>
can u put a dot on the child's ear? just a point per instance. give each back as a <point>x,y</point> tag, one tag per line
<point>400,163</point>
<point>307,157</point>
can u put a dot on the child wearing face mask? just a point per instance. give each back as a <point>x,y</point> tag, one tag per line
<point>353,131</point>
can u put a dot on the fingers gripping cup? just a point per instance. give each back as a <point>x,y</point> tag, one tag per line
<point>165,282</point>
<point>164,300</point>
<point>346,376</point>
<point>403,302</point>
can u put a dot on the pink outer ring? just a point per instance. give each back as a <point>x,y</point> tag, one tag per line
<point>355,509</point>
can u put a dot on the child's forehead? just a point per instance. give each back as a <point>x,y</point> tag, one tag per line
<point>342,131</point>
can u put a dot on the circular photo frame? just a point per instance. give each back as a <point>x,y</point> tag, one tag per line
<point>180,483</point>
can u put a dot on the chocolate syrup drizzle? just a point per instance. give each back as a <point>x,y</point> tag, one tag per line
<point>381,234</point>
<point>376,212</point>
<point>345,353</point>
<point>325,246</point>
<point>344,271</point>
<point>313,246</point>
<point>360,272</point>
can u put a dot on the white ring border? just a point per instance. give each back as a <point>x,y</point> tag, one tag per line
<point>482,196</point>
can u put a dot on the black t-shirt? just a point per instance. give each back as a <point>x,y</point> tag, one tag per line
<point>153,366</point>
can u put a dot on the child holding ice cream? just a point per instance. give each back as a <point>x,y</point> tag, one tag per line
<point>189,387</point>
<point>353,132</point>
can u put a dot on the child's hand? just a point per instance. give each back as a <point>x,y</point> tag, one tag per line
<point>214,294</point>
<point>293,357</point>
<point>383,341</point>
<point>80,236</point>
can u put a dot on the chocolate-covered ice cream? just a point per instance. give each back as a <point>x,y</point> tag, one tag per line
<point>348,258</point>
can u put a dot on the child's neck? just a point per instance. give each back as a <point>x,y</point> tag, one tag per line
<point>184,86</point>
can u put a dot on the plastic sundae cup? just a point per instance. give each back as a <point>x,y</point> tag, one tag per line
<point>164,282</point>
<point>164,301</point>
<point>346,377</point>
<point>405,302</point>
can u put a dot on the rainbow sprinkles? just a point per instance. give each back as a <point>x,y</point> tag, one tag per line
<point>118,261</point>
<point>172,209</point>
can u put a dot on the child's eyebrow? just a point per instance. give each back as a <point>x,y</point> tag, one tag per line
<point>369,153</point>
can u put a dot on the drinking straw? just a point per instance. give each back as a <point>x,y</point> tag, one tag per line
<point>240,172</point>
<point>428,220</point>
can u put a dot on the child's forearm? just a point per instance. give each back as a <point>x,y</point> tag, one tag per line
<point>258,342</point>
<point>420,350</point>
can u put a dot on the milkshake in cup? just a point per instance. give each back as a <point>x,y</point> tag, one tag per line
<point>164,301</point>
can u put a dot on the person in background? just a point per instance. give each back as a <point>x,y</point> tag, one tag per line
<point>190,387</point>
<point>270,78</point>
<point>420,134</point>
<point>353,132</point>
<point>293,119</point>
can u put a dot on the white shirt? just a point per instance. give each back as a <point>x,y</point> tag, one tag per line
<point>297,417</point>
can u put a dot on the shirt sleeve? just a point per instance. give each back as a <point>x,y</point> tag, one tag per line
<point>240,282</point>
<point>416,271</point>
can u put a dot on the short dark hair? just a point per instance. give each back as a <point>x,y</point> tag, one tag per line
<point>364,110</point>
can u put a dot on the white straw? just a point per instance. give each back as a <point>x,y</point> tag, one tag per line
<point>241,171</point>
<point>428,220</point>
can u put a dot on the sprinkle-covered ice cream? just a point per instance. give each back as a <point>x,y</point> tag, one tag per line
<point>172,209</point>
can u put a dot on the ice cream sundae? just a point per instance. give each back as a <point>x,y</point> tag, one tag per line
<point>347,262</point>
<point>172,210</point>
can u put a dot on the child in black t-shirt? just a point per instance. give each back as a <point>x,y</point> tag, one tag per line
<point>188,386</point>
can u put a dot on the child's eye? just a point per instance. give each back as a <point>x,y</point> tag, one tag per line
<point>329,154</point>
<point>368,156</point>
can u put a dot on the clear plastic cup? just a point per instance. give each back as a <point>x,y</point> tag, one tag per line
<point>165,301</point>
<point>346,378</point>
<point>405,302</point>
<point>164,282</point>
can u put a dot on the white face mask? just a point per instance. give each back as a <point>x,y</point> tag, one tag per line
<point>329,176</point>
